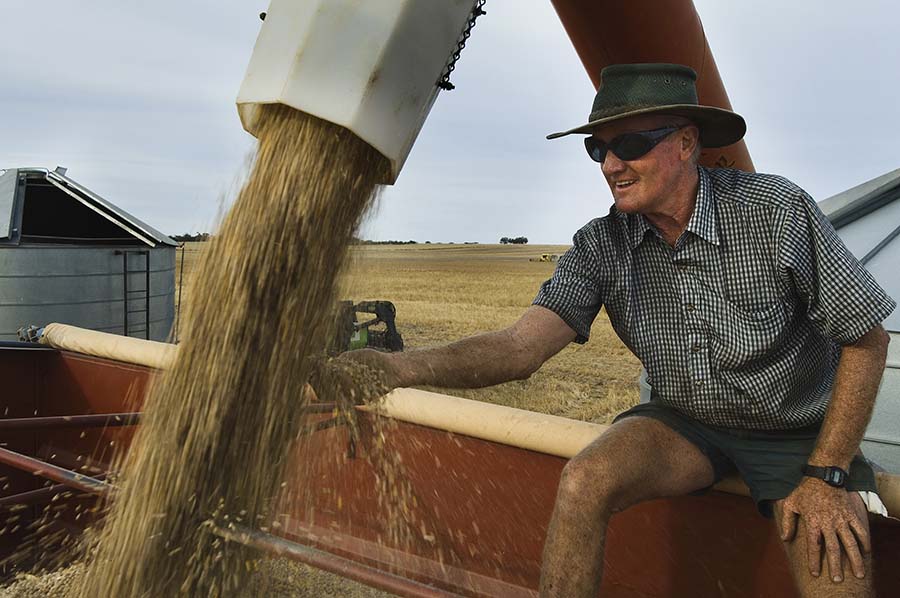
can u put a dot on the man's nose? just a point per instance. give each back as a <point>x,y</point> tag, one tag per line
<point>612,164</point>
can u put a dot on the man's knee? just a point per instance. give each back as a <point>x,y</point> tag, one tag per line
<point>590,483</point>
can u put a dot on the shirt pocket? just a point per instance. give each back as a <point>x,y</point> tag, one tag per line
<point>741,338</point>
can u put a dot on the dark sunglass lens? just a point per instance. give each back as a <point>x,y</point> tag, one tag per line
<point>596,149</point>
<point>631,146</point>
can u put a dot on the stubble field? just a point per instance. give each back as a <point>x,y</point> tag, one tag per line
<point>446,292</point>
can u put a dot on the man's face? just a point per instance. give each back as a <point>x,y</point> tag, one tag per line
<point>644,185</point>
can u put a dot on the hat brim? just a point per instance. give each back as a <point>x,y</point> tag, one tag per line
<point>718,127</point>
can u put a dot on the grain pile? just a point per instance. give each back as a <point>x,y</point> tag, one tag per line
<point>212,446</point>
<point>54,584</point>
<point>272,578</point>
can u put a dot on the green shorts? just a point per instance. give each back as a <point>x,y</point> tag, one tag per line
<point>770,462</point>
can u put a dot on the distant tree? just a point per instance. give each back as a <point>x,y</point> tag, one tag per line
<point>514,240</point>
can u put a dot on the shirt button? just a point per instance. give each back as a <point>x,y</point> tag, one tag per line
<point>698,383</point>
<point>690,307</point>
<point>681,266</point>
<point>696,349</point>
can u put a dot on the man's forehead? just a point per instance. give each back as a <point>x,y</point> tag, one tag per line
<point>633,123</point>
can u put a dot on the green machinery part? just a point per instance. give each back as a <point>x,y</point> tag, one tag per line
<point>377,332</point>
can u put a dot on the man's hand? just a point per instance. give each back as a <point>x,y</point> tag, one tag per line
<point>832,514</point>
<point>352,378</point>
<point>378,361</point>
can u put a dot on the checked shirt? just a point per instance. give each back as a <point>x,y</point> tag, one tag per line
<point>740,325</point>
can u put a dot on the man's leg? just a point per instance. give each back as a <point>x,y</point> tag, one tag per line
<point>637,459</point>
<point>822,586</point>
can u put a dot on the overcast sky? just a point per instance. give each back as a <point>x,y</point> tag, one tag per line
<point>137,100</point>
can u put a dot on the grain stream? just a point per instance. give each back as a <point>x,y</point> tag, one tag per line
<point>213,444</point>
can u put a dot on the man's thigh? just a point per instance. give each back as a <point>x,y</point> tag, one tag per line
<point>823,586</point>
<point>641,458</point>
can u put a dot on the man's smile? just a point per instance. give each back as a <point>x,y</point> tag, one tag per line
<point>625,183</point>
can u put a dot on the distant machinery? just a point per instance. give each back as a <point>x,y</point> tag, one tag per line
<point>378,332</point>
<point>69,256</point>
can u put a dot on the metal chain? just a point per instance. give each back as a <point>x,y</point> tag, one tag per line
<point>477,11</point>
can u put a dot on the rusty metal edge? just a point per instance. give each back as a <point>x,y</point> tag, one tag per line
<point>331,563</point>
<point>108,420</point>
<point>407,564</point>
<point>52,472</point>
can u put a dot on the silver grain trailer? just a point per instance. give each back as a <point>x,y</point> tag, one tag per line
<point>867,217</point>
<point>69,256</point>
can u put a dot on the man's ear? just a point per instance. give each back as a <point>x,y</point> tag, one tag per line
<point>690,137</point>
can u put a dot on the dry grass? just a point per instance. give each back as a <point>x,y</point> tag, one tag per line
<point>446,292</point>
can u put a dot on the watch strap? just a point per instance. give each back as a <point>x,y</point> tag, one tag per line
<point>832,475</point>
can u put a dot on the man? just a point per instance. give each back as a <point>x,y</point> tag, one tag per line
<point>760,334</point>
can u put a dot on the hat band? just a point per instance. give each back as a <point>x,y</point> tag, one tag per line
<point>617,110</point>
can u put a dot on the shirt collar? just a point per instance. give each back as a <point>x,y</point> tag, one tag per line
<point>703,220</point>
<point>637,229</point>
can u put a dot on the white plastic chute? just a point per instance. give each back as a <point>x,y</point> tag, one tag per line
<point>371,67</point>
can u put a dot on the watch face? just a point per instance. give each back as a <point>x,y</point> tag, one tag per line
<point>835,476</point>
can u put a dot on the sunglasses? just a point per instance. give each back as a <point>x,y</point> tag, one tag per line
<point>628,146</point>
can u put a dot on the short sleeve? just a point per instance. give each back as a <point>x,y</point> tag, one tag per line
<point>842,299</point>
<point>574,292</point>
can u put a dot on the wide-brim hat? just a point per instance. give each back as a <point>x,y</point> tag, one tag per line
<point>636,89</point>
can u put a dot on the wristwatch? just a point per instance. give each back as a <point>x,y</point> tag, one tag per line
<point>831,475</point>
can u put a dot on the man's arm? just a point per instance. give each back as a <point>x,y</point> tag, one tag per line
<point>482,360</point>
<point>826,511</point>
<point>856,384</point>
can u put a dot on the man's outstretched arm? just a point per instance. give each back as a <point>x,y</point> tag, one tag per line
<point>513,353</point>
